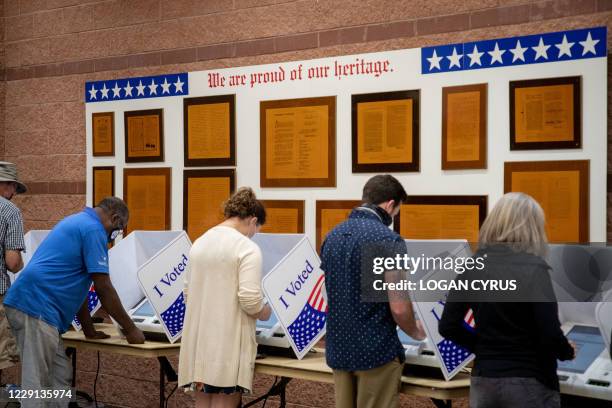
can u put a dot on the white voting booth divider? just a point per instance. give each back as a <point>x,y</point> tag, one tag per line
<point>293,283</point>
<point>162,281</point>
<point>452,358</point>
<point>32,239</point>
<point>131,253</point>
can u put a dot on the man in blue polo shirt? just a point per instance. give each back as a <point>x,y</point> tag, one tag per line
<point>361,343</point>
<point>53,288</point>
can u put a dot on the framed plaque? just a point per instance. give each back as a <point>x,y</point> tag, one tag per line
<point>298,142</point>
<point>464,127</point>
<point>144,136</point>
<point>561,188</point>
<point>147,195</point>
<point>385,132</point>
<point>284,216</point>
<point>210,130</point>
<point>441,217</point>
<point>331,213</point>
<point>545,114</point>
<point>103,133</point>
<point>204,192</point>
<point>103,184</point>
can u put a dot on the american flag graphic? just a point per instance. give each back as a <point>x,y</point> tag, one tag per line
<point>469,322</point>
<point>92,303</point>
<point>174,316</point>
<point>311,319</point>
<point>452,354</point>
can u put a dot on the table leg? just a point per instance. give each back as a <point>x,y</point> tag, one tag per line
<point>70,351</point>
<point>276,389</point>
<point>162,386</point>
<point>442,403</point>
<point>165,372</point>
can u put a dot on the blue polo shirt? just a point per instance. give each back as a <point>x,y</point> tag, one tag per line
<point>55,283</point>
<point>359,335</point>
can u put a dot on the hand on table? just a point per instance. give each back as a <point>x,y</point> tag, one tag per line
<point>97,335</point>
<point>134,336</point>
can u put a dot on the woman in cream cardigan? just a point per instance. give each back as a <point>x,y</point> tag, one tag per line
<point>224,300</point>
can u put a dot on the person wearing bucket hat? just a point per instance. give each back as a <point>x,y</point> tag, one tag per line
<point>11,243</point>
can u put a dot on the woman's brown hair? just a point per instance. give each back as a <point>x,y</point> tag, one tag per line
<point>244,204</point>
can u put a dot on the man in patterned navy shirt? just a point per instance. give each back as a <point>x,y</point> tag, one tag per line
<point>362,346</point>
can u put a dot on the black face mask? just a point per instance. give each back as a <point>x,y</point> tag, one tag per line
<point>384,216</point>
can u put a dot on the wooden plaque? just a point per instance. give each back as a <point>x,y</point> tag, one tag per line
<point>385,132</point>
<point>331,213</point>
<point>545,114</point>
<point>441,217</point>
<point>284,216</point>
<point>103,183</point>
<point>298,142</point>
<point>561,188</point>
<point>147,195</point>
<point>144,136</point>
<point>103,133</point>
<point>204,192</point>
<point>210,130</point>
<point>464,127</point>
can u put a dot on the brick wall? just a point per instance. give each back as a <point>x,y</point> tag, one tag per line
<point>50,48</point>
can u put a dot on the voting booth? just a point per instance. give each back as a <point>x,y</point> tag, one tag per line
<point>582,280</point>
<point>162,280</point>
<point>293,283</point>
<point>143,250</point>
<point>126,258</point>
<point>450,357</point>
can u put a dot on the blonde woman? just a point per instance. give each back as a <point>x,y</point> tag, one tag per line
<point>516,344</point>
<point>224,300</point>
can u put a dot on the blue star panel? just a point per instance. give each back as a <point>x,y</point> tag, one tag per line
<point>503,52</point>
<point>137,88</point>
<point>174,316</point>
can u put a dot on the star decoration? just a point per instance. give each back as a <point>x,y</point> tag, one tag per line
<point>116,91</point>
<point>434,61</point>
<point>93,92</point>
<point>540,50</point>
<point>455,58</point>
<point>565,47</point>
<point>140,88</point>
<point>153,87</point>
<point>104,91</point>
<point>475,56</point>
<point>178,85</point>
<point>165,86</point>
<point>128,89</point>
<point>496,54</point>
<point>518,52</point>
<point>588,45</point>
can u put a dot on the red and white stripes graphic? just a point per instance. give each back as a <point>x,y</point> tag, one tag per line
<point>316,299</point>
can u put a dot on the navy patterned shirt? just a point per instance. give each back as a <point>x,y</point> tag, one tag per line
<point>360,335</point>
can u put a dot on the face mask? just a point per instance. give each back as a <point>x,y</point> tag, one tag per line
<point>384,216</point>
<point>114,234</point>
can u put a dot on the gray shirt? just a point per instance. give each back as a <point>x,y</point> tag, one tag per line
<point>11,237</point>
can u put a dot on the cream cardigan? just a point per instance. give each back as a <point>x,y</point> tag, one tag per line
<point>223,288</point>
